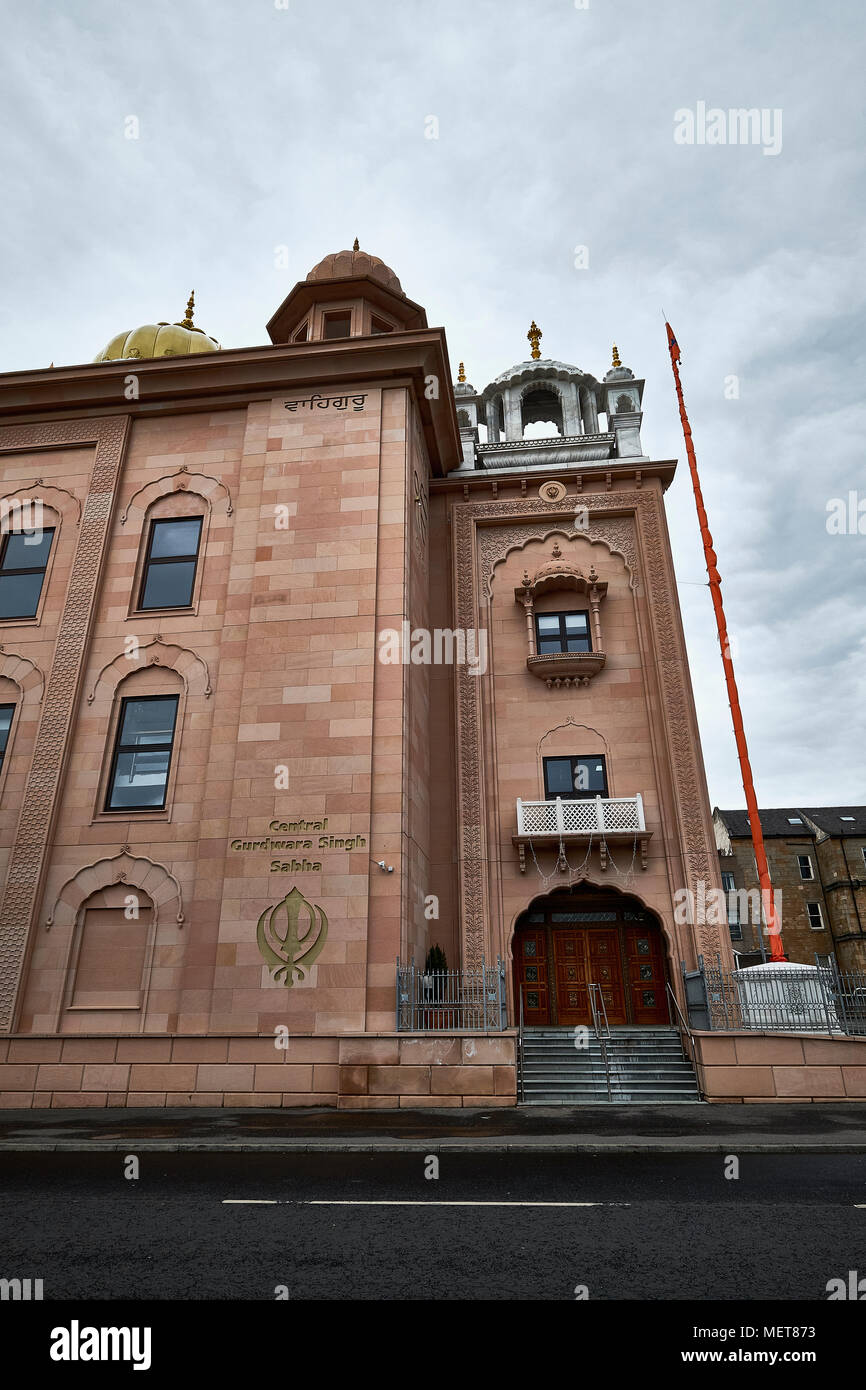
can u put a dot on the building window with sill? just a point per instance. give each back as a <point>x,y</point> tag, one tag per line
<point>574,779</point>
<point>169,569</point>
<point>142,754</point>
<point>562,632</point>
<point>23,561</point>
<point>805,866</point>
<point>816,918</point>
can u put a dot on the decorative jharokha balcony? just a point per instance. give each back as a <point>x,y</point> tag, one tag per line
<point>555,824</point>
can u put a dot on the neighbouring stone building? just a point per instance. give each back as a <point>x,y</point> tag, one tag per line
<point>817,860</point>
<point>310,661</point>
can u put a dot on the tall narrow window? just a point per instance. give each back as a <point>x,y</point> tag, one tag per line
<point>142,754</point>
<point>23,561</point>
<point>816,919</point>
<point>169,570</point>
<point>562,632</point>
<point>6,713</point>
<point>574,779</point>
<point>734,926</point>
<point>805,865</point>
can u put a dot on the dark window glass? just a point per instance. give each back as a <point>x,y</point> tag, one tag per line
<point>22,572</point>
<point>338,325</point>
<point>142,754</point>
<point>574,778</point>
<point>805,864</point>
<point>816,920</point>
<point>562,632</point>
<point>169,571</point>
<point>380,326</point>
<point>6,713</point>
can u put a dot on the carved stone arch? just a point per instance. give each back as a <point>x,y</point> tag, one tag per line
<point>591,883</point>
<point>192,669</point>
<point>201,484</point>
<point>24,673</point>
<point>61,508</point>
<point>137,870</point>
<point>618,541</point>
<point>571,723</point>
<point>541,383</point>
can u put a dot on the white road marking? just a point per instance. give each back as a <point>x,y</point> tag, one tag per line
<point>327,1202</point>
<point>334,1202</point>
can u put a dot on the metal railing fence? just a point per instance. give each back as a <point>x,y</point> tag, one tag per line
<point>471,1000</point>
<point>788,998</point>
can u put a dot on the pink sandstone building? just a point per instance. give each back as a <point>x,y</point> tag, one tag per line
<point>311,660</point>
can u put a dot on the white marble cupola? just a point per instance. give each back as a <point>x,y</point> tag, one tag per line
<point>544,411</point>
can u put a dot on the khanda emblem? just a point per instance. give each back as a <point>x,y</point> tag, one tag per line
<point>291,936</point>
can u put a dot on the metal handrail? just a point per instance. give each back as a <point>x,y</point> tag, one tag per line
<point>602,1036</point>
<point>520,1049</point>
<point>683,1026</point>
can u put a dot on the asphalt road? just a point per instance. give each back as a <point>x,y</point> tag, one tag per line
<point>372,1226</point>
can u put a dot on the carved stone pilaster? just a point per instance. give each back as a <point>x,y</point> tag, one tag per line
<point>29,851</point>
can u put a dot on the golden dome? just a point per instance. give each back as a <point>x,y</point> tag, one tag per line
<point>341,264</point>
<point>160,340</point>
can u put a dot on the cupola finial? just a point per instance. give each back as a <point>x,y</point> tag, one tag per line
<point>190,306</point>
<point>357,245</point>
<point>616,362</point>
<point>534,335</point>
<point>461,372</point>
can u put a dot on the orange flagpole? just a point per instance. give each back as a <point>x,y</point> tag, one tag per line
<point>774,926</point>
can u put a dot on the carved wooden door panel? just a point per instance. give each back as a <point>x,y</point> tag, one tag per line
<point>604,967</point>
<point>531,976</point>
<point>572,995</point>
<point>646,975</point>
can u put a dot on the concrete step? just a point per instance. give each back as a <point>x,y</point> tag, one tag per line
<point>646,1066</point>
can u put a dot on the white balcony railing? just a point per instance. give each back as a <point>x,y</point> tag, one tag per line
<point>585,817</point>
<point>613,818</point>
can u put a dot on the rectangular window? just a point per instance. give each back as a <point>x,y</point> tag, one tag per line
<point>6,713</point>
<point>169,570</point>
<point>142,754</point>
<point>805,865</point>
<point>734,926</point>
<point>338,325</point>
<point>574,779</point>
<point>863,852</point>
<point>562,632</point>
<point>22,571</point>
<point>816,920</point>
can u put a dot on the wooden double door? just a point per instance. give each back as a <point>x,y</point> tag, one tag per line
<point>559,951</point>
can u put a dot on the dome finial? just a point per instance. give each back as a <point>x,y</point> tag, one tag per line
<point>190,306</point>
<point>357,245</point>
<point>534,335</point>
<point>616,362</point>
<point>461,372</point>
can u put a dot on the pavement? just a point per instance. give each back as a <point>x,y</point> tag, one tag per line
<point>617,1129</point>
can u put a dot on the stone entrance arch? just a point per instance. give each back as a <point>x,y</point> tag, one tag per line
<point>588,935</point>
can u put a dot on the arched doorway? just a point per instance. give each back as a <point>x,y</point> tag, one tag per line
<point>582,936</point>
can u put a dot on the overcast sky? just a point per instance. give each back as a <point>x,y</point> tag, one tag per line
<point>301,124</point>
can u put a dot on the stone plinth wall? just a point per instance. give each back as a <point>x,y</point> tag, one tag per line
<point>761,1067</point>
<point>380,1072</point>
